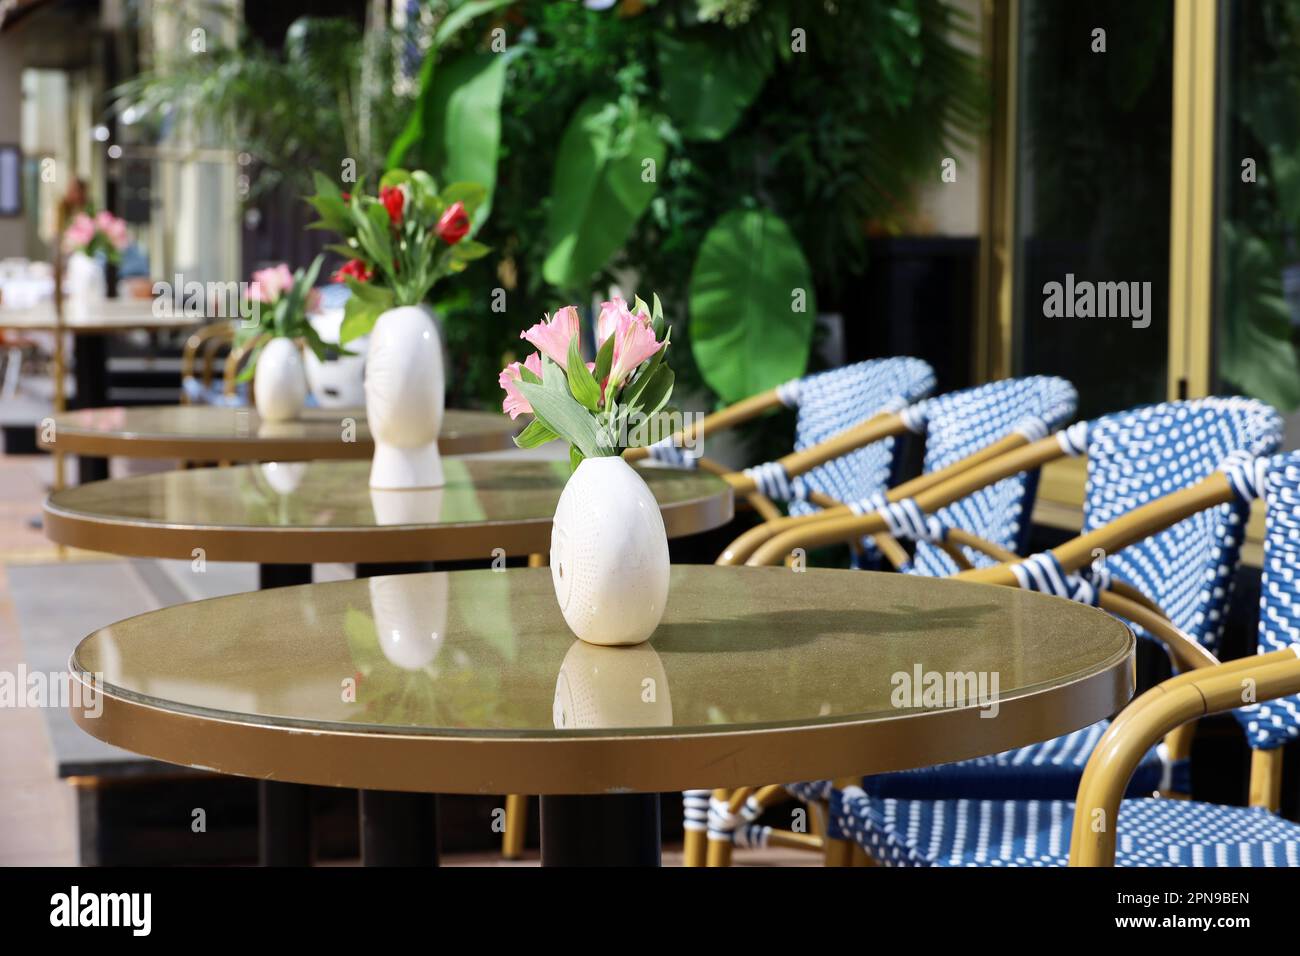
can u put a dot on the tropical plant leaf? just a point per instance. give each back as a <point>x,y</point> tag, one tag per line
<point>745,334</point>
<point>456,129</point>
<point>709,83</point>
<point>599,191</point>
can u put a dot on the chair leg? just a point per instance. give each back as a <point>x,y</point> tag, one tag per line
<point>839,852</point>
<point>512,841</point>
<point>695,817</point>
<point>719,851</point>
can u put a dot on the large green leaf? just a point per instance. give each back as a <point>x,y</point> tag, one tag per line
<point>455,130</point>
<point>707,85</point>
<point>744,330</point>
<point>599,191</point>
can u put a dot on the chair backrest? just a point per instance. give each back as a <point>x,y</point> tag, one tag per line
<point>1271,724</point>
<point>827,403</point>
<point>961,423</point>
<point>1137,456</point>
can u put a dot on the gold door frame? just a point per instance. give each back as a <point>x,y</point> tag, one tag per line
<point>1191,225</point>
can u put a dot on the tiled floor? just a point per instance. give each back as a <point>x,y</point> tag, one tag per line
<point>36,809</point>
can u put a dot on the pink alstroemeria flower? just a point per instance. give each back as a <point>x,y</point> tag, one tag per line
<point>552,336</point>
<point>634,342</point>
<point>269,284</point>
<point>515,404</point>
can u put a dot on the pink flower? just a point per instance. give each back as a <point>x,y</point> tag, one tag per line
<point>80,232</point>
<point>515,404</point>
<point>613,316</point>
<point>113,228</point>
<point>634,342</point>
<point>552,336</point>
<point>269,284</point>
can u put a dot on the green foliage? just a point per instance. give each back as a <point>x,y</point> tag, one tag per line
<point>745,330</point>
<point>600,188</point>
<point>304,108</point>
<point>1258,349</point>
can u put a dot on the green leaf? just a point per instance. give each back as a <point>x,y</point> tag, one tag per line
<point>650,391</point>
<point>604,359</point>
<point>462,14</point>
<point>584,388</point>
<point>361,312</point>
<point>467,250</point>
<point>598,192</point>
<point>745,334</point>
<point>708,84</point>
<point>250,364</point>
<point>460,123</point>
<point>535,434</point>
<point>562,414</point>
<point>575,458</point>
<point>470,195</point>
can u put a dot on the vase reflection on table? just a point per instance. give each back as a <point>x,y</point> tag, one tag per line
<point>611,688</point>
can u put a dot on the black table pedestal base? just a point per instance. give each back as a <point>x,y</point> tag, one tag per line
<point>282,575</point>
<point>399,829</point>
<point>616,830</point>
<point>284,824</point>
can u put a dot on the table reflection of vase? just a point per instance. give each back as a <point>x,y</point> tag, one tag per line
<point>416,506</point>
<point>410,612</point>
<point>611,688</point>
<point>284,477</point>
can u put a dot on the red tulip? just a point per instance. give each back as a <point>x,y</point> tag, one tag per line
<point>392,198</point>
<point>454,224</point>
<point>354,268</point>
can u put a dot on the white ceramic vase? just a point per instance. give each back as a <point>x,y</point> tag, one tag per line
<point>279,382</point>
<point>86,287</point>
<point>404,399</point>
<point>609,554</point>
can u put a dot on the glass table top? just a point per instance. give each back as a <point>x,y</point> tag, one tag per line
<point>310,512</point>
<point>486,653</point>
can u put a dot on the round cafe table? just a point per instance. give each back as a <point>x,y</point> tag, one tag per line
<point>215,433</point>
<point>294,513</point>
<point>285,516</point>
<point>470,682</point>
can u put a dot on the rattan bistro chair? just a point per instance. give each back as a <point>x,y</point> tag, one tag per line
<point>962,429</point>
<point>844,444</point>
<point>1103,827</point>
<point>1178,569</point>
<point>199,389</point>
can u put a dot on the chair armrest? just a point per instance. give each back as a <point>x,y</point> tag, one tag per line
<point>1168,705</point>
<point>840,528</point>
<point>732,415</point>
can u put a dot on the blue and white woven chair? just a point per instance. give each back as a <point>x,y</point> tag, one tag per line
<point>845,434</point>
<point>1146,831</point>
<point>1185,571</point>
<point>958,428</point>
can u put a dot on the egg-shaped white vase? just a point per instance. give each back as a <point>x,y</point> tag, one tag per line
<point>609,554</point>
<point>279,382</point>
<point>404,399</point>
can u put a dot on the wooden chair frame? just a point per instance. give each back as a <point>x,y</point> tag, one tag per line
<point>1160,711</point>
<point>209,340</point>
